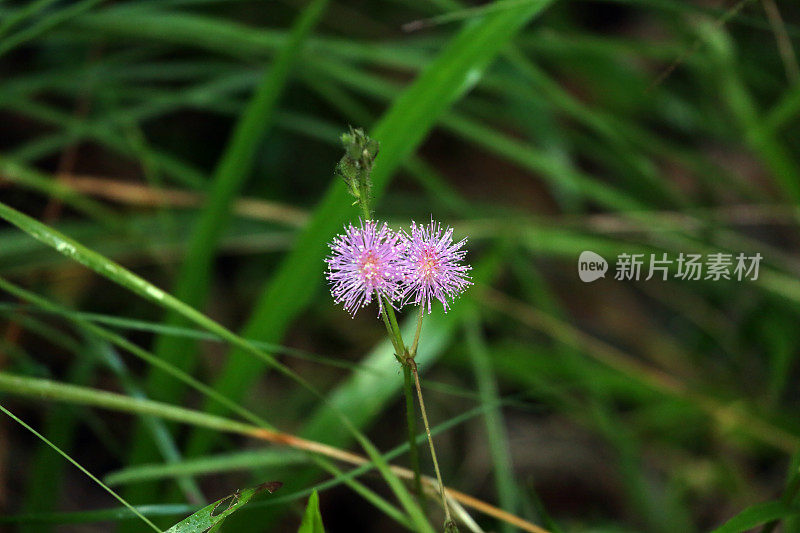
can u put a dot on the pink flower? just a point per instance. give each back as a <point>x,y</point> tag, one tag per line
<point>365,263</point>
<point>433,266</point>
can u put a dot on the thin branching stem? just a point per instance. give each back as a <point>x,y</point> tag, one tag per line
<point>410,378</point>
<point>448,519</point>
<point>411,424</point>
<point>392,336</point>
<point>395,328</point>
<point>413,351</point>
<point>408,391</point>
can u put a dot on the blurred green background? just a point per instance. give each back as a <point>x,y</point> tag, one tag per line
<point>194,143</point>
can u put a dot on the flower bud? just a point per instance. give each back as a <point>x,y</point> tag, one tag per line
<point>355,167</point>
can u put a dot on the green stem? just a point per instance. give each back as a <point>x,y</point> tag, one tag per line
<point>410,376</point>
<point>448,520</point>
<point>408,380</point>
<point>395,329</point>
<point>410,367</point>
<point>411,421</point>
<point>392,336</point>
<point>365,211</point>
<point>390,321</point>
<point>413,352</point>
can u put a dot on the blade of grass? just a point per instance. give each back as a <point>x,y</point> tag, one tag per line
<point>312,519</point>
<point>45,477</point>
<point>115,514</point>
<point>757,515</point>
<point>53,390</point>
<point>45,24</point>
<point>212,515</point>
<point>246,460</point>
<point>79,467</point>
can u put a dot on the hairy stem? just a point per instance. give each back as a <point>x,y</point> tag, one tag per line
<point>395,328</point>
<point>365,210</point>
<point>411,422</point>
<point>392,337</point>
<point>390,321</point>
<point>449,523</point>
<point>406,359</point>
<point>413,351</point>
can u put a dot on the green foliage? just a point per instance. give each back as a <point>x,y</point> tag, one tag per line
<point>757,515</point>
<point>211,517</point>
<point>312,519</point>
<point>192,145</point>
<point>230,174</point>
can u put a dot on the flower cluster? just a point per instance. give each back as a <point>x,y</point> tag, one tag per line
<point>371,260</point>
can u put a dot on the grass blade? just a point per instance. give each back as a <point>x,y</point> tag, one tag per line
<point>246,460</point>
<point>312,519</point>
<point>756,515</point>
<point>213,514</point>
<point>46,24</point>
<point>79,467</point>
<point>44,388</point>
<point>46,476</point>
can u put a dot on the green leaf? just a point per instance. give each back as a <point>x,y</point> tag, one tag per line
<point>213,514</point>
<point>312,519</point>
<point>756,515</point>
<point>47,389</point>
<point>245,461</point>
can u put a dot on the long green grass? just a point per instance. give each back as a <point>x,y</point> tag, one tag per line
<point>167,187</point>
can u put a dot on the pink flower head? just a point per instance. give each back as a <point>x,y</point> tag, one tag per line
<point>365,263</point>
<point>432,266</point>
